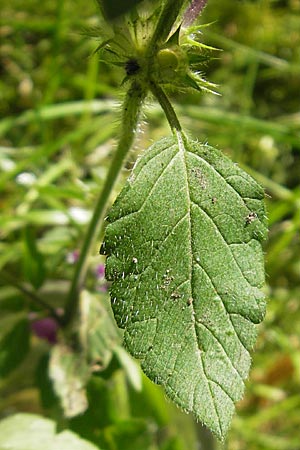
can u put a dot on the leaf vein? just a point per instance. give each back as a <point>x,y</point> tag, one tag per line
<point>225,309</point>
<point>223,348</point>
<point>227,244</point>
<point>183,153</point>
<point>148,195</point>
<point>219,174</point>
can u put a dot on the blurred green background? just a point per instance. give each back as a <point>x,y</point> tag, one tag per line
<point>59,110</point>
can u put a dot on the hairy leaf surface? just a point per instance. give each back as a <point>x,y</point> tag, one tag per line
<point>184,255</point>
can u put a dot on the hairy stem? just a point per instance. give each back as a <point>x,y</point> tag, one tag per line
<point>168,109</point>
<point>130,115</point>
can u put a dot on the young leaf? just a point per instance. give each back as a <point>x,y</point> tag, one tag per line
<point>33,261</point>
<point>14,347</point>
<point>69,373</point>
<point>33,432</point>
<point>99,335</point>
<point>184,255</point>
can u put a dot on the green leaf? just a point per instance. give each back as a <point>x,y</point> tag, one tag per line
<point>33,261</point>
<point>98,332</point>
<point>184,255</point>
<point>14,347</point>
<point>69,373</point>
<point>131,368</point>
<point>33,432</point>
<point>47,395</point>
<point>132,434</point>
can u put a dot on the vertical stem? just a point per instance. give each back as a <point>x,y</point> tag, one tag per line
<point>130,116</point>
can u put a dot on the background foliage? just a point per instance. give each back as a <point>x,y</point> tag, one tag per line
<point>58,126</point>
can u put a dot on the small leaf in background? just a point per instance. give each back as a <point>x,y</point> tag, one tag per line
<point>33,261</point>
<point>69,373</point>
<point>33,432</point>
<point>98,332</point>
<point>47,395</point>
<point>130,367</point>
<point>185,258</point>
<point>14,346</point>
<point>133,434</point>
<point>10,301</point>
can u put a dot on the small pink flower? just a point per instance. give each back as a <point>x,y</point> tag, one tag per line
<point>72,257</point>
<point>100,271</point>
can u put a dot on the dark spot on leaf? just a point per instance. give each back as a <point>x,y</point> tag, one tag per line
<point>167,279</point>
<point>251,217</point>
<point>197,173</point>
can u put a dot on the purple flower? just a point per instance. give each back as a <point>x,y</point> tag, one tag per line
<point>45,328</point>
<point>72,257</point>
<point>100,271</point>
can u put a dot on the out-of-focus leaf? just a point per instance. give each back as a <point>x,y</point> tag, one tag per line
<point>43,382</point>
<point>33,432</point>
<point>174,443</point>
<point>69,373</point>
<point>134,434</point>
<point>98,331</point>
<point>14,346</point>
<point>132,369</point>
<point>10,300</point>
<point>33,261</point>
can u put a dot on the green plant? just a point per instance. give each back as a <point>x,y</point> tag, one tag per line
<point>183,242</point>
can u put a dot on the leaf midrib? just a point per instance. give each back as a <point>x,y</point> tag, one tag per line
<point>182,151</point>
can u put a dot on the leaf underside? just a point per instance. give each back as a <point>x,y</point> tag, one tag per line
<point>185,259</point>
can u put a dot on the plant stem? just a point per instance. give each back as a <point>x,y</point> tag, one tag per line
<point>168,109</point>
<point>130,115</point>
<point>32,296</point>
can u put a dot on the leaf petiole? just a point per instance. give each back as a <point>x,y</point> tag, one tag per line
<point>166,105</point>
